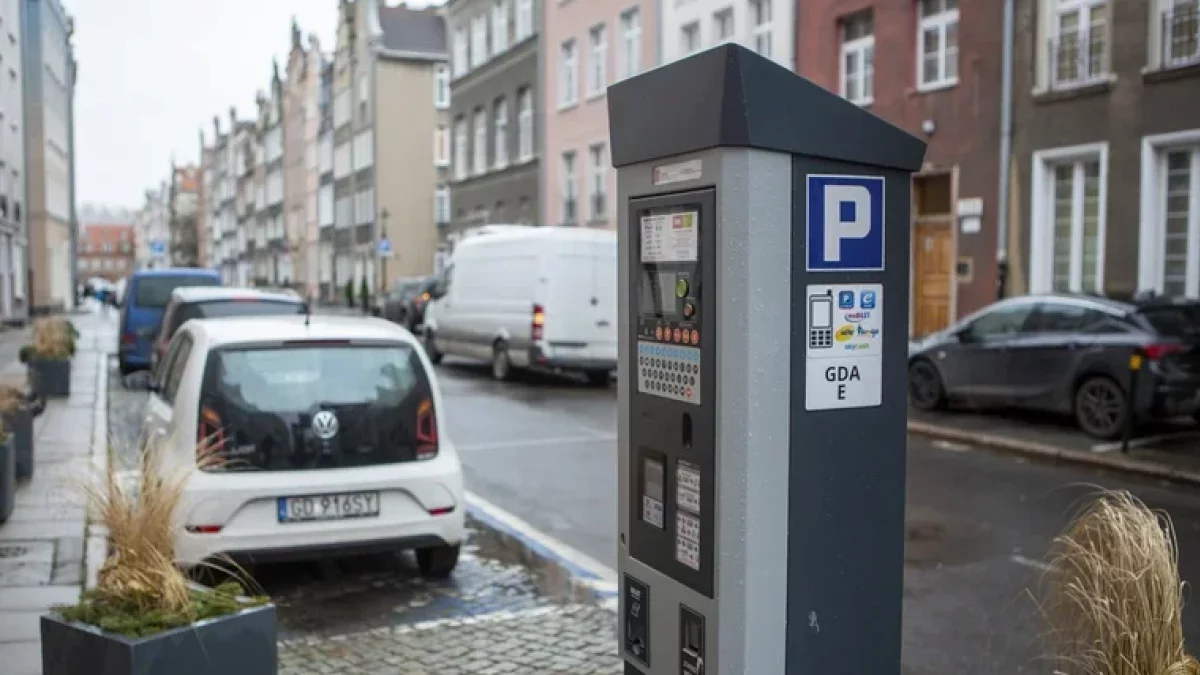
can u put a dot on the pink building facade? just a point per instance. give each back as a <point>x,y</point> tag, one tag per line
<point>587,45</point>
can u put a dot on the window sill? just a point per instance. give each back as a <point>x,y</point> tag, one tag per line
<point>1171,72</point>
<point>563,107</point>
<point>1074,90</point>
<point>933,87</point>
<point>596,95</point>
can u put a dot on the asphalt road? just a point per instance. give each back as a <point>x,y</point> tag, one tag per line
<point>978,526</point>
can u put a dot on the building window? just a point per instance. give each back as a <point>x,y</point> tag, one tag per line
<point>568,75</point>
<point>441,146</point>
<point>598,182</point>
<point>441,205</point>
<point>500,138</point>
<point>479,41</point>
<point>1169,239</point>
<point>598,66</point>
<point>479,149</point>
<point>723,25</point>
<point>569,190</point>
<point>689,39</point>
<point>500,26</point>
<point>525,125</point>
<point>524,19</point>
<point>937,36</point>
<point>1067,240</point>
<point>1180,33</point>
<point>1078,42</point>
<point>760,14</point>
<point>441,86</point>
<point>858,58</point>
<point>460,52</point>
<point>631,43</point>
<point>460,148</point>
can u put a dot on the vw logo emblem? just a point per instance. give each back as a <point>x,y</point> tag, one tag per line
<point>325,425</point>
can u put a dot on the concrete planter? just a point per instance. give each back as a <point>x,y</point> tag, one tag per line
<point>50,377</point>
<point>19,424</point>
<point>238,644</point>
<point>8,478</point>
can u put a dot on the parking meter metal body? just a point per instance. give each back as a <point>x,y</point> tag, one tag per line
<point>764,248</point>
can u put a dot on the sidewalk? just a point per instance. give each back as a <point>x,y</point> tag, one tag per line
<point>1169,450</point>
<point>44,555</point>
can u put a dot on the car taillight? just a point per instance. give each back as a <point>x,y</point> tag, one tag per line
<point>427,435</point>
<point>1157,352</point>
<point>539,322</point>
<point>210,436</point>
<point>128,338</point>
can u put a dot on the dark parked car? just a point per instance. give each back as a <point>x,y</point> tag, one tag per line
<point>405,302</point>
<point>1069,354</point>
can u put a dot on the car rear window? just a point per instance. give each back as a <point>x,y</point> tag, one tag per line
<point>214,309</point>
<point>155,291</point>
<point>1177,321</point>
<point>262,402</point>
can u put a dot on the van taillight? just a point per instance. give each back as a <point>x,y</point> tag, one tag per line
<point>539,322</point>
<point>427,436</point>
<point>128,339</point>
<point>210,436</point>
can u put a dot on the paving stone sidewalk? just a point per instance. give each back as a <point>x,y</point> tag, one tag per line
<point>42,546</point>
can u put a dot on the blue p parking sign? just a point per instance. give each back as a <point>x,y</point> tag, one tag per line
<point>845,223</point>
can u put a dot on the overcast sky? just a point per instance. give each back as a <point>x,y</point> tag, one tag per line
<point>152,73</point>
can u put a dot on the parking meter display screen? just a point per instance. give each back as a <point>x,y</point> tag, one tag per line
<point>658,293</point>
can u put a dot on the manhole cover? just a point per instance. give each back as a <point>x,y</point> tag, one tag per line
<point>13,551</point>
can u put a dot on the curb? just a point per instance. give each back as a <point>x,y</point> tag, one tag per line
<point>1053,452</point>
<point>95,550</point>
<point>585,579</point>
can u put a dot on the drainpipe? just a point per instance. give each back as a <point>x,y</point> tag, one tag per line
<point>1006,124</point>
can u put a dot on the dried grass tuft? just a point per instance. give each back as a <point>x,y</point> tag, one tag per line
<point>13,395</point>
<point>1113,594</point>
<point>53,339</point>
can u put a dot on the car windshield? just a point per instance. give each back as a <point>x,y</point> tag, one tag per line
<point>1175,321</point>
<point>214,309</point>
<point>154,292</point>
<point>266,399</point>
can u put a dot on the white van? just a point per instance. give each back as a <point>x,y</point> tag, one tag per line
<point>535,297</point>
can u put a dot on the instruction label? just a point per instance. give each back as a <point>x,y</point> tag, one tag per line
<point>671,237</point>
<point>687,514</point>
<point>844,350</point>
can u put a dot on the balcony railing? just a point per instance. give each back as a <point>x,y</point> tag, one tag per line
<point>1181,35</point>
<point>1078,58</point>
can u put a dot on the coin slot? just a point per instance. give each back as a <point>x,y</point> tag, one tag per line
<point>687,431</point>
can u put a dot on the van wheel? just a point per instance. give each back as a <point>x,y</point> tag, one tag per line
<point>597,378</point>
<point>124,368</point>
<point>437,562</point>
<point>501,365</point>
<point>435,357</point>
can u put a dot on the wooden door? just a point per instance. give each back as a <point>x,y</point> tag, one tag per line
<point>933,274</point>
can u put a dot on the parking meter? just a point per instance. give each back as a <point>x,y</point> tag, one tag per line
<point>764,270</point>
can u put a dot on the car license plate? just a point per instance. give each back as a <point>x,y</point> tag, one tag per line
<point>328,507</point>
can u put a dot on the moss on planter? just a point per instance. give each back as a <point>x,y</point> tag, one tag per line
<point>127,618</point>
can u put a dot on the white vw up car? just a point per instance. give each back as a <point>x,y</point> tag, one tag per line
<point>329,431</point>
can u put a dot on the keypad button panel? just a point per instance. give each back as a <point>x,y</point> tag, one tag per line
<point>669,371</point>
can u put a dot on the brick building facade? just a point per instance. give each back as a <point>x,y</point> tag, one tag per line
<point>939,78</point>
<point>105,250</point>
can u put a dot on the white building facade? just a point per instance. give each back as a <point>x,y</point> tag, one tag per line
<point>13,211</point>
<point>766,26</point>
<point>151,234</point>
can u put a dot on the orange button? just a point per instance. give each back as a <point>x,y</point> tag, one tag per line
<point>676,335</point>
<point>695,337</point>
<point>658,333</point>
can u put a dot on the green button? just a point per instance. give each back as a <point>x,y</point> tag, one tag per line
<point>681,288</point>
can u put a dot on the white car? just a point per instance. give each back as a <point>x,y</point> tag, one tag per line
<point>330,432</point>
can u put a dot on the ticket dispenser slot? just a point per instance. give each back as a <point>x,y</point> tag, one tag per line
<point>637,620</point>
<point>691,642</point>
<point>672,427</point>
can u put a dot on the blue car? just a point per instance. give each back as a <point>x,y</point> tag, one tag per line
<point>146,296</point>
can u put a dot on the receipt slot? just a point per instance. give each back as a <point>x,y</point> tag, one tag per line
<point>764,269</point>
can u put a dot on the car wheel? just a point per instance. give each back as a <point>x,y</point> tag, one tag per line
<point>597,378</point>
<point>437,562</point>
<point>501,365</point>
<point>431,351</point>
<point>1100,408</point>
<point>925,390</point>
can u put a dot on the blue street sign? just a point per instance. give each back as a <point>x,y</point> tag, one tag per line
<point>385,248</point>
<point>845,223</point>
<point>158,247</point>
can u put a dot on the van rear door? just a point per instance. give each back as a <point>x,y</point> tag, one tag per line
<point>581,312</point>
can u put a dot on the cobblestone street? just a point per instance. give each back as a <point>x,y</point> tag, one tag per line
<point>375,614</point>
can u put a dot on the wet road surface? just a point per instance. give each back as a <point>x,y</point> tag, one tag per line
<point>543,448</point>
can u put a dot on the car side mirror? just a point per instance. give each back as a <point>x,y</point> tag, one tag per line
<point>964,334</point>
